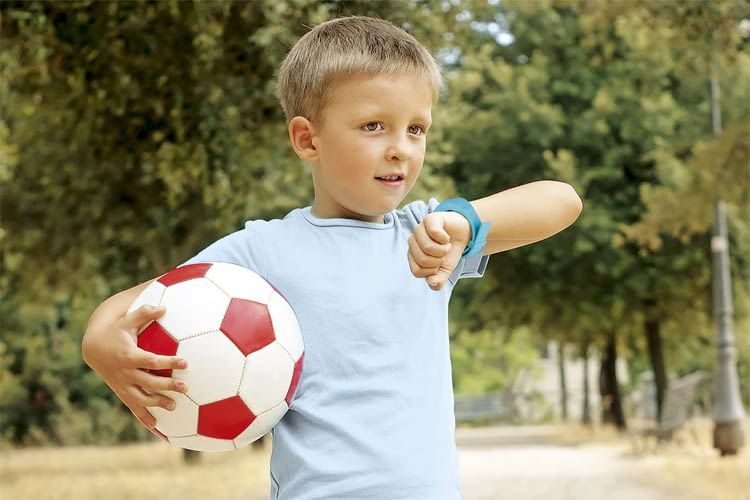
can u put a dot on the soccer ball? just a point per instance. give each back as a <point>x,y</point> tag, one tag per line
<point>244,350</point>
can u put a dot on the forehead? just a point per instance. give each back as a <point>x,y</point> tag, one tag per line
<point>365,94</point>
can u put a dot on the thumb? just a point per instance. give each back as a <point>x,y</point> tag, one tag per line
<point>143,315</point>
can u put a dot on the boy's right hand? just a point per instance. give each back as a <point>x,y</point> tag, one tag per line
<point>112,352</point>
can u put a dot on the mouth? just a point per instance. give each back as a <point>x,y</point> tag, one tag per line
<point>390,183</point>
<point>391,180</point>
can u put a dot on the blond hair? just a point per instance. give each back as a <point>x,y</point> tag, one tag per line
<point>343,47</point>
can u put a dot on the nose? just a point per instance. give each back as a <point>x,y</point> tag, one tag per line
<point>399,149</point>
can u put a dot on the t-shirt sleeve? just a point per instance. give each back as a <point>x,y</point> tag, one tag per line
<point>468,267</point>
<point>242,247</point>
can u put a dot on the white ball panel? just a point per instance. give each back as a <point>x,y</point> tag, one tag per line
<point>285,325</point>
<point>214,367</point>
<point>151,295</point>
<point>202,443</point>
<point>273,366</point>
<point>239,282</point>
<point>261,425</point>
<point>193,306</point>
<point>183,421</point>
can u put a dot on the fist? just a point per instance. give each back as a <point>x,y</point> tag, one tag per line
<point>436,246</point>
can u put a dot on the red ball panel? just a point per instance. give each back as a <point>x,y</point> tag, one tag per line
<point>184,273</point>
<point>248,324</point>
<point>225,419</point>
<point>154,338</point>
<point>295,380</point>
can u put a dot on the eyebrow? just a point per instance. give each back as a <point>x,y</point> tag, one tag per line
<point>365,114</point>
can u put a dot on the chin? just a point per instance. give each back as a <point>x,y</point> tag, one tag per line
<point>389,207</point>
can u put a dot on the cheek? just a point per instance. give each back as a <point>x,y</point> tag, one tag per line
<point>350,148</point>
<point>418,158</point>
<point>361,146</point>
<point>336,156</point>
<point>417,170</point>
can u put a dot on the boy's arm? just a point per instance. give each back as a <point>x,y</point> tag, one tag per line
<point>517,217</point>
<point>109,348</point>
<point>528,213</point>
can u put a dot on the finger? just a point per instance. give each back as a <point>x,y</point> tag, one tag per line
<point>154,383</point>
<point>144,417</point>
<point>136,319</point>
<point>429,245</point>
<point>417,270</point>
<point>141,358</point>
<point>147,399</point>
<point>434,225</point>
<point>438,280</point>
<point>416,249</point>
<point>435,282</point>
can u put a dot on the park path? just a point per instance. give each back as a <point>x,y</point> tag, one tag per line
<point>529,463</point>
<point>500,463</point>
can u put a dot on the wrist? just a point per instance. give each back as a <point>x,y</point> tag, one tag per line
<point>478,235</point>
<point>458,227</point>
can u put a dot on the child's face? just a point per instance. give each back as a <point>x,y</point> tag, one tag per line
<point>373,126</point>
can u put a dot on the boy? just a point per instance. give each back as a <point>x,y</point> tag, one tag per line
<point>373,414</point>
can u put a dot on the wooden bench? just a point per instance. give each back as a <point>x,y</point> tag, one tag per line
<point>488,406</point>
<point>676,411</point>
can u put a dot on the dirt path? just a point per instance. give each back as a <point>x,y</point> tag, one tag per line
<point>519,463</point>
<point>514,463</point>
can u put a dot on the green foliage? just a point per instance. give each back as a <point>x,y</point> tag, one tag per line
<point>613,99</point>
<point>132,134</point>
<point>130,165</point>
<point>487,360</point>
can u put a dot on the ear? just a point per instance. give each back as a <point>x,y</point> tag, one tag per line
<point>302,134</point>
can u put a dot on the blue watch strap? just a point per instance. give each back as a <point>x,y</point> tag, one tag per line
<point>479,229</point>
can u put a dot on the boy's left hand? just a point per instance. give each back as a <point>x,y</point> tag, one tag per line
<point>436,246</point>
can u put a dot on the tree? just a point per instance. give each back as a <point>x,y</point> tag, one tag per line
<point>133,134</point>
<point>590,95</point>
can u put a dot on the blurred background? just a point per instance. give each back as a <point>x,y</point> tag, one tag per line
<point>133,134</point>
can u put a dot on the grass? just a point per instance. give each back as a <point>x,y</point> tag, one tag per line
<point>696,465</point>
<point>156,470</point>
<point>138,471</point>
<point>690,461</point>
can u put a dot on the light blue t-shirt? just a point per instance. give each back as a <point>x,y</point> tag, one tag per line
<point>373,414</point>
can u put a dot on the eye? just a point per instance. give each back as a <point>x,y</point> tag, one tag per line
<point>420,127</point>
<point>366,125</point>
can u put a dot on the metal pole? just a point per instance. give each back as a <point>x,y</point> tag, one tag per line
<point>728,413</point>
<point>715,98</point>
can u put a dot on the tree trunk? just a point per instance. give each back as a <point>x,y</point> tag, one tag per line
<point>190,456</point>
<point>656,356</point>
<point>258,443</point>
<point>609,389</point>
<point>586,418</point>
<point>563,384</point>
